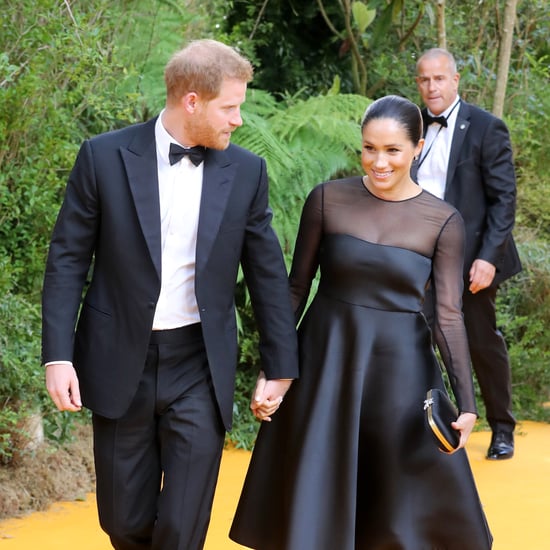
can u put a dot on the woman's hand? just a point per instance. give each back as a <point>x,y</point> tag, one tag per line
<point>268,396</point>
<point>464,424</point>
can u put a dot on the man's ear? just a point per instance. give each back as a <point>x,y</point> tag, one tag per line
<point>456,80</point>
<point>189,101</point>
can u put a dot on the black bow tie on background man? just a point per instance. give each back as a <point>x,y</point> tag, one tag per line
<point>429,119</point>
<point>196,154</point>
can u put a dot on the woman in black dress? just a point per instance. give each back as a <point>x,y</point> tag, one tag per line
<point>347,462</point>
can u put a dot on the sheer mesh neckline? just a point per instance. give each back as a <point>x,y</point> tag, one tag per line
<point>378,197</point>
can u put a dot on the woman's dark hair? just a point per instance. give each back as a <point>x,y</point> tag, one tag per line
<point>403,111</point>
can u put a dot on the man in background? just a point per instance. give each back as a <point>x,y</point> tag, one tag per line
<point>467,161</point>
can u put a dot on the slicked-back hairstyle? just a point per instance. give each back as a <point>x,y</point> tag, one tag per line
<point>437,52</point>
<point>403,111</point>
<point>201,67</point>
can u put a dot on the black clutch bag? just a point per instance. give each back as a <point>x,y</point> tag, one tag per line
<point>440,412</point>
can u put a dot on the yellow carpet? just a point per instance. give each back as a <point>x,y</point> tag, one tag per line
<point>515,494</point>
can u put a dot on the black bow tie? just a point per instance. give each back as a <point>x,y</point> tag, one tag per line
<point>196,154</point>
<point>429,119</point>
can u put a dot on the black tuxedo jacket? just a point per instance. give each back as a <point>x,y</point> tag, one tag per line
<point>481,185</point>
<point>110,215</point>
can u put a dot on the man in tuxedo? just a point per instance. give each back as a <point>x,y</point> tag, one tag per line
<point>467,161</point>
<point>165,212</point>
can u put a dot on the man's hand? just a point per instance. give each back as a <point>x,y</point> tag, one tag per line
<point>482,274</point>
<point>268,395</point>
<point>62,385</point>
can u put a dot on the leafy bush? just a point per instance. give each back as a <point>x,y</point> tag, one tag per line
<point>304,141</point>
<point>524,317</point>
<point>58,85</point>
<point>21,377</point>
<point>530,138</point>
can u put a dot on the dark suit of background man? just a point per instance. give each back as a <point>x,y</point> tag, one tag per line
<point>467,161</point>
<point>155,348</point>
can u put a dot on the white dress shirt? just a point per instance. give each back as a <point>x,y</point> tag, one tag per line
<point>180,188</point>
<point>434,157</point>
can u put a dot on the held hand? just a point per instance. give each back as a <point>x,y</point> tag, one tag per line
<point>482,274</point>
<point>62,385</point>
<point>268,395</point>
<point>464,424</point>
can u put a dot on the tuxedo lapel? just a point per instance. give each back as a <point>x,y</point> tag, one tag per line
<point>218,177</point>
<point>461,128</point>
<point>140,161</point>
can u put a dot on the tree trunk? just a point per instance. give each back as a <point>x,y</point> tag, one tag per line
<point>27,436</point>
<point>358,67</point>
<point>505,51</point>
<point>441,29</point>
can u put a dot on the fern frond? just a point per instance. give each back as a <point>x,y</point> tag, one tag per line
<point>304,143</point>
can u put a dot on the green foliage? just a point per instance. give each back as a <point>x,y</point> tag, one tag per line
<point>305,142</point>
<point>296,47</point>
<point>21,376</point>
<point>530,138</point>
<point>245,426</point>
<point>362,15</point>
<point>289,43</point>
<point>59,426</point>
<point>8,425</point>
<point>59,84</point>
<point>152,32</point>
<point>524,317</point>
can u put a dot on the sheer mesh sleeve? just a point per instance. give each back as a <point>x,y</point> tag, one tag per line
<point>305,260</point>
<point>449,331</point>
